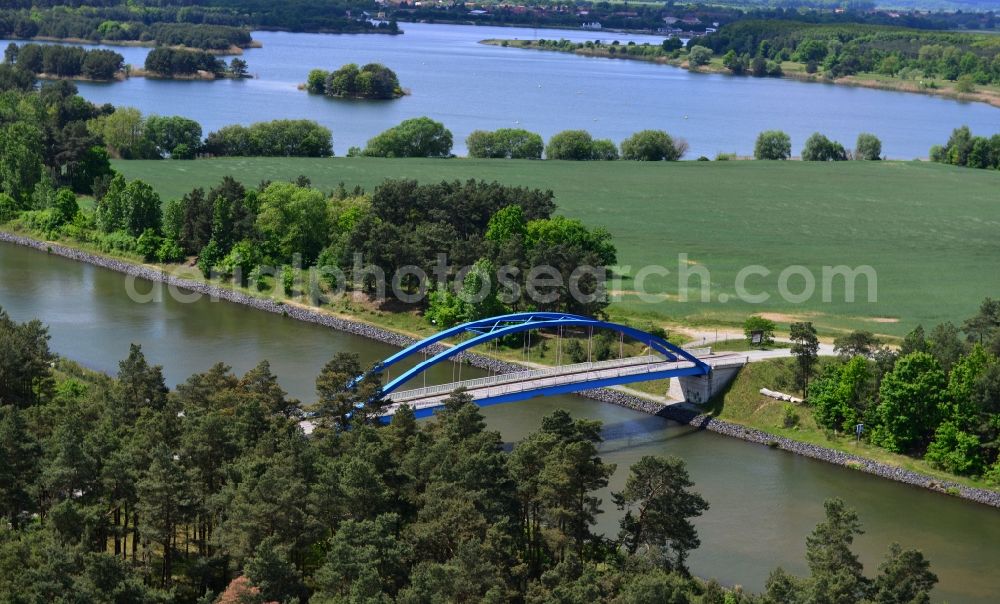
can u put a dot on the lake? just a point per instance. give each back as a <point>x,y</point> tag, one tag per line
<point>467,86</point>
<point>763,502</point>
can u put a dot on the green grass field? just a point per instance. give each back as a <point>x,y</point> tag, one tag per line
<point>929,231</point>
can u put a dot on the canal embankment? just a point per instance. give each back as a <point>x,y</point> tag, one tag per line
<point>682,413</point>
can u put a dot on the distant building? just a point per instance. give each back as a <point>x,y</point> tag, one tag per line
<point>596,25</point>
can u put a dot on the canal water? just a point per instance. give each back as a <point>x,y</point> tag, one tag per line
<point>467,86</point>
<point>764,502</point>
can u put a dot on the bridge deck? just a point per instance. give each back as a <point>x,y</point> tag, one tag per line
<point>511,386</point>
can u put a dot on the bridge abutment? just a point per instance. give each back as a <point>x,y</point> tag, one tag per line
<point>699,389</point>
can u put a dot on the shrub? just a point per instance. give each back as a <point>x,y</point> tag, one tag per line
<point>46,221</point>
<point>773,145</point>
<point>992,475</point>
<point>209,258</point>
<point>169,251</point>
<point>757,323</point>
<point>182,151</point>
<point>9,208</point>
<point>603,150</point>
<point>316,81</point>
<point>505,143</point>
<point>651,145</point>
<point>699,55</point>
<point>65,206</point>
<point>580,146</point>
<point>820,148</point>
<point>117,241</point>
<point>868,147</point>
<point>570,144</point>
<point>417,137</point>
<point>574,350</point>
<point>789,417</point>
<point>288,279</point>
<point>965,84</point>
<point>148,244</point>
<point>953,450</point>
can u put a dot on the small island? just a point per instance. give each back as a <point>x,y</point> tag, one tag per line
<point>175,64</point>
<point>373,81</point>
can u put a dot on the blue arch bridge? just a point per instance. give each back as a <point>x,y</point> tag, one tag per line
<point>700,372</point>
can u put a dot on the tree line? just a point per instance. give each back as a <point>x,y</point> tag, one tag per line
<point>120,489</point>
<point>131,135</point>
<point>170,62</point>
<point>964,149</point>
<point>234,231</point>
<point>777,145</point>
<point>65,61</point>
<point>846,49</point>
<point>372,81</point>
<point>205,24</point>
<point>424,137</point>
<point>119,24</point>
<point>936,397</point>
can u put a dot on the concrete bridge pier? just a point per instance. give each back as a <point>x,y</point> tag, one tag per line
<point>699,389</point>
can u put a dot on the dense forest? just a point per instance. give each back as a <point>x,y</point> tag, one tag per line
<point>842,50</point>
<point>209,25</point>
<point>117,489</point>
<point>65,61</point>
<point>171,62</point>
<point>133,20</point>
<point>119,25</point>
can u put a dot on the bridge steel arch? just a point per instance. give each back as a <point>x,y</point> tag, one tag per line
<point>498,327</point>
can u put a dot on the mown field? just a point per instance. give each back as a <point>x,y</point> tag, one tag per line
<point>929,231</point>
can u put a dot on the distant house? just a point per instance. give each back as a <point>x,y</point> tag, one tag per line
<point>691,20</point>
<point>710,30</point>
<point>670,20</point>
<point>596,25</point>
<point>478,12</point>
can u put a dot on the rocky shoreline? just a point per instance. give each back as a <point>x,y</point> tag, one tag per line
<point>675,412</point>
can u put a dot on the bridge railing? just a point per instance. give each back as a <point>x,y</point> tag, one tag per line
<point>702,351</point>
<point>729,362</point>
<point>519,376</point>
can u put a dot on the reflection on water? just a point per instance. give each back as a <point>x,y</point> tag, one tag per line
<point>764,502</point>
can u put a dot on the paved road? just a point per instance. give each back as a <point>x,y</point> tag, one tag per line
<point>707,338</point>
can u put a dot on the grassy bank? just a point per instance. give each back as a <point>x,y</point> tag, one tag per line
<point>739,404</point>
<point>231,50</point>
<point>792,70</point>
<point>928,230</point>
<point>742,403</point>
